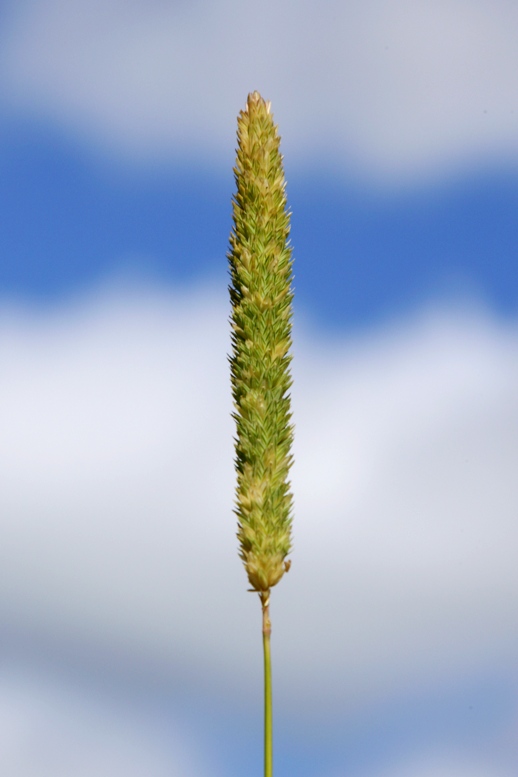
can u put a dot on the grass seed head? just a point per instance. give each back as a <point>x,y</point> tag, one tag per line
<point>261,297</point>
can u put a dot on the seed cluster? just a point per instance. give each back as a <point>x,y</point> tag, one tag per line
<point>261,296</point>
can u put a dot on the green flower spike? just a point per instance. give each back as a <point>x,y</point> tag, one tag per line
<point>261,296</point>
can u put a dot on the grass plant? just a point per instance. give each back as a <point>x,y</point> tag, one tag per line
<point>260,259</point>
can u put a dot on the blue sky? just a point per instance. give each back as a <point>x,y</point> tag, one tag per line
<point>379,253</point>
<point>129,643</point>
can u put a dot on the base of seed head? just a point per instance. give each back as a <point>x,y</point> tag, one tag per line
<point>264,571</point>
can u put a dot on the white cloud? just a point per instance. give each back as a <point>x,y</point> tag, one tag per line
<point>446,766</point>
<point>51,729</point>
<point>116,486</point>
<point>393,91</point>
<point>407,445</point>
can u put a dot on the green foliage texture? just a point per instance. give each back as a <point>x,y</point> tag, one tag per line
<point>261,296</point>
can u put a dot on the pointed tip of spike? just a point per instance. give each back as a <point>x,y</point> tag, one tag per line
<point>255,97</point>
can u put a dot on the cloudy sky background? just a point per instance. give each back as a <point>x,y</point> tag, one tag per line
<point>129,645</point>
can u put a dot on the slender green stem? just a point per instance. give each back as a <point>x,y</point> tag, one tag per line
<point>268,723</point>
